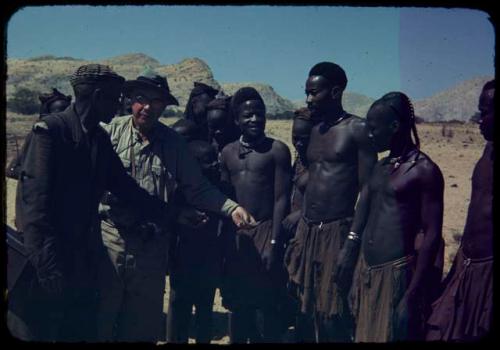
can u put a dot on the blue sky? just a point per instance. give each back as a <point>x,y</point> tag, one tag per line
<point>417,50</point>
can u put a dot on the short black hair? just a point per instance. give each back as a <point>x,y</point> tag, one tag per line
<point>489,85</point>
<point>332,72</point>
<point>244,94</point>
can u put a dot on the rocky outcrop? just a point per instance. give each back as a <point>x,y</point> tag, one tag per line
<point>457,103</point>
<point>275,104</point>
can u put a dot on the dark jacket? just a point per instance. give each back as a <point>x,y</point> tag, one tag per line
<point>62,179</point>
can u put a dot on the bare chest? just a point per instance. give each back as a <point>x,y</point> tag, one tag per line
<point>397,182</point>
<point>332,146</point>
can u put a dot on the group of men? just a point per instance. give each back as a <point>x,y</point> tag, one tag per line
<point>341,246</point>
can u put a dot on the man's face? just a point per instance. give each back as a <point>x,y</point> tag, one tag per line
<point>108,101</point>
<point>381,123</point>
<point>487,109</point>
<point>301,133</point>
<point>318,94</point>
<point>199,104</point>
<point>252,119</point>
<point>217,121</point>
<point>58,106</point>
<point>147,107</point>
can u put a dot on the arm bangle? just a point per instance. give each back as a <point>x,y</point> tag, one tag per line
<point>354,236</point>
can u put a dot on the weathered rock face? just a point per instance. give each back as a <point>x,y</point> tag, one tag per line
<point>274,102</point>
<point>457,103</point>
<point>43,74</point>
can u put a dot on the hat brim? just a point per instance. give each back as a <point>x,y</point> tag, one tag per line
<point>131,85</point>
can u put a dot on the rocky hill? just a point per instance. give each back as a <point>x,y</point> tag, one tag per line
<point>43,73</point>
<point>457,103</point>
<point>274,102</point>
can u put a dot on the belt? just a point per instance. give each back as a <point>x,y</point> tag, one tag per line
<point>320,223</point>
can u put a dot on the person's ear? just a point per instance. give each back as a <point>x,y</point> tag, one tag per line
<point>336,92</point>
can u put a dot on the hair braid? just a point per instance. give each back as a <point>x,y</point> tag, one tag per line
<point>412,121</point>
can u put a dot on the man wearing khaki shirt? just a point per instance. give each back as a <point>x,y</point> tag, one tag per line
<point>133,278</point>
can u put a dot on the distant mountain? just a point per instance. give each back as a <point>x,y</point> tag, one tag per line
<point>43,73</point>
<point>274,103</point>
<point>457,103</point>
<point>352,102</point>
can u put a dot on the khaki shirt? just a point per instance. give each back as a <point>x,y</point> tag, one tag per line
<point>162,165</point>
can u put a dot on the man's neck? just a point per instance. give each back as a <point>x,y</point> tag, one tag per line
<point>401,148</point>
<point>334,113</point>
<point>251,142</point>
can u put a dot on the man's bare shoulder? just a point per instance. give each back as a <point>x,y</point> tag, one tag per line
<point>230,148</point>
<point>281,152</point>
<point>357,127</point>
<point>279,146</point>
<point>429,172</point>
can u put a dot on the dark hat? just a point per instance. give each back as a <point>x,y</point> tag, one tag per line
<point>95,73</point>
<point>150,80</point>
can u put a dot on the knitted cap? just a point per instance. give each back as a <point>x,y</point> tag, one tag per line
<point>95,73</point>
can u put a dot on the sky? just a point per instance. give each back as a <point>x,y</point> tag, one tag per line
<point>420,51</point>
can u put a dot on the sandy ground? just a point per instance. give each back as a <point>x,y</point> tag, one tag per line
<point>454,147</point>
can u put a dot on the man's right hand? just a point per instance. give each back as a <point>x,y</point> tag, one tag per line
<point>346,263</point>
<point>242,218</point>
<point>290,222</point>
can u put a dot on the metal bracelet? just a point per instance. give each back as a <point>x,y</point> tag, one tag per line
<point>353,236</point>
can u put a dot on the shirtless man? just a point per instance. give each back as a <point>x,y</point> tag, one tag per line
<point>258,167</point>
<point>340,158</point>
<point>403,196</point>
<point>464,312</point>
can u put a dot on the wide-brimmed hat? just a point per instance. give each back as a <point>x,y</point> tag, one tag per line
<point>150,80</point>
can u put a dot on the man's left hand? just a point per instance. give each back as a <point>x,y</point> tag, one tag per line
<point>269,258</point>
<point>403,314</point>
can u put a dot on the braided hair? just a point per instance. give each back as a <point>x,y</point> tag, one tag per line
<point>401,104</point>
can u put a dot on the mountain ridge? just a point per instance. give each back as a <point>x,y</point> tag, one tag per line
<point>41,73</point>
